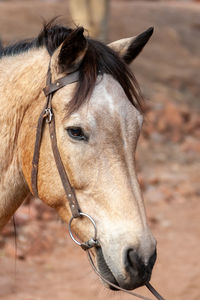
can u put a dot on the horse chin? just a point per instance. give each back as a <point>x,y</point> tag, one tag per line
<point>105,270</point>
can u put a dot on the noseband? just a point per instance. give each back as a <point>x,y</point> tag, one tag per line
<point>48,116</point>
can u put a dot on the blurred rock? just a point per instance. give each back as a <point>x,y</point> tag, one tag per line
<point>191,144</point>
<point>153,194</point>
<point>8,230</point>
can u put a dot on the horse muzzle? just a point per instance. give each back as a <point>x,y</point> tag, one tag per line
<point>139,272</point>
<point>136,272</point>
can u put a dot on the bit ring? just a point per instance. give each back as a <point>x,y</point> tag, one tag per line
<point>90,243</point>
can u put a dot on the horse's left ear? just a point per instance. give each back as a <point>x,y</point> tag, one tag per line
<point>69,55</point>
<point>129,48</point>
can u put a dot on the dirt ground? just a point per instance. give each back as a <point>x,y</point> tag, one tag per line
<point>48,265</point>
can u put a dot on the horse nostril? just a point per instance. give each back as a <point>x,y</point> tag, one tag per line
<point>132,258</point>
<point>134,263</point>
<point>136,267</point>
<point>137,270</point>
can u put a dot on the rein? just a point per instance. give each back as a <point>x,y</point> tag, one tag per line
<point>48,116</point>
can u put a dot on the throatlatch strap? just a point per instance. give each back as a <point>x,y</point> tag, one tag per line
<point>36,153</point>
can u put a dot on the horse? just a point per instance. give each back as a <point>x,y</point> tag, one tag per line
<point>98,120</point>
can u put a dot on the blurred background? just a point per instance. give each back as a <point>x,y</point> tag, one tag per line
<point>45,264</point>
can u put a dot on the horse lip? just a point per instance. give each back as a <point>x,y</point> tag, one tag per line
<point>104,269</point>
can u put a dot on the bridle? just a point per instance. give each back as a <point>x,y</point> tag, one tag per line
<point>48,116</point>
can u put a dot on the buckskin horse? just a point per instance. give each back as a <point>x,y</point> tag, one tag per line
<point>90,100</point>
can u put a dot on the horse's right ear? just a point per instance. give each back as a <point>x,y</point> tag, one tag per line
<point>129,48</point>
<point>69,55</point>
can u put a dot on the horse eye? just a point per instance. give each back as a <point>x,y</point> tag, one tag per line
<point>76,133</point>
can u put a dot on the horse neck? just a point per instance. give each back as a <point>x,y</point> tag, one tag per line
<point>22,78</point>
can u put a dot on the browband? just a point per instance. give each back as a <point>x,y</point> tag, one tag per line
<point>61,82</point>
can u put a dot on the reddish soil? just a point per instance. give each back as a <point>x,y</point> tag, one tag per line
<point>48,265</point>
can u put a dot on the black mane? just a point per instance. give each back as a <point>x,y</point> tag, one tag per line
<point>98,59</point>
<point>50,37</point>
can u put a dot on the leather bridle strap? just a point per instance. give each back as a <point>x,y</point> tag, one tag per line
<point>69,191</point>
<point>61,82</point>
<point>35,160</point>
<point>47,114</point>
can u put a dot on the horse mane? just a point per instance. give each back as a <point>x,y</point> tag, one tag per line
<point>99,59</point>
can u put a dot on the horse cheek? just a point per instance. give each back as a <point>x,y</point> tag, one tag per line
<point>26,144</point>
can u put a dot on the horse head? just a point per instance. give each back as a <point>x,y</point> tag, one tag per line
<point>98,121</point>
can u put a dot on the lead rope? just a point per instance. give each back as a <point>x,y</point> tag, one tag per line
<point>93,242</point>
<point>148,285</point>
<point>153,291</point>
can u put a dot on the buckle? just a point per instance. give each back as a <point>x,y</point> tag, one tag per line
<point>48,114</point>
